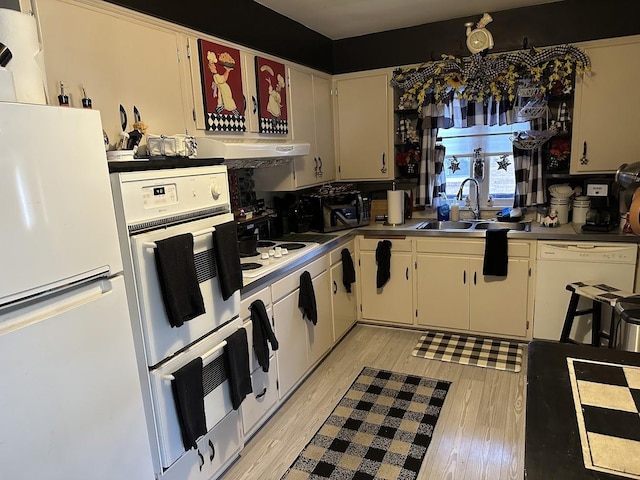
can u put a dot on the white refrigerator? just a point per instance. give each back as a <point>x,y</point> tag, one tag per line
<point>70,394</point>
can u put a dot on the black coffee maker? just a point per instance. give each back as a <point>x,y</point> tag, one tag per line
<point>603,216</point>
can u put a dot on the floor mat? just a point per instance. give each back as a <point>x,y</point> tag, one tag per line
<point>481,352</point>
<point>381,429</point>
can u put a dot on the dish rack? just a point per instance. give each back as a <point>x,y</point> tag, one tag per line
<point>531,139</point>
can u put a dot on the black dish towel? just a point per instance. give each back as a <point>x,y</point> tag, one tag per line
<point>383,259</point>
<point>348,271</point>
<point>496,254</point>
<point>237,352</point>
<point>262,333</point>
<point>225,245</point>
<point>188,394</point>
<point>178,279</point>
<point>307,298</point>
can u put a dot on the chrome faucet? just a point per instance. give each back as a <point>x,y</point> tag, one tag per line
<point>476,210</point>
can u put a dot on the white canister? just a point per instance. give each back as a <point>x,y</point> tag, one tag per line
<point>561,206</point>
<point>581,206</point>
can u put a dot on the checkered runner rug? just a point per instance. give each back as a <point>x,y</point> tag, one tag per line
<point>380,429</point>
<point>481,352</point>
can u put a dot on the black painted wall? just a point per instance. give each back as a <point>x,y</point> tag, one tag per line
<point>248,23</point>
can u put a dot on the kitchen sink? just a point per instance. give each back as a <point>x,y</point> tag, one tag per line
<point>523,227</point>
<point>475,226</point>
<point>434,225</point>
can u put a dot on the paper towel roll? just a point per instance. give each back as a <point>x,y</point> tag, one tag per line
<point>395,207</point>
<point>18,32</point>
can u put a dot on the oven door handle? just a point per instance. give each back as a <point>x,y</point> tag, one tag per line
<point>222,344</point>
<point>195,234</point>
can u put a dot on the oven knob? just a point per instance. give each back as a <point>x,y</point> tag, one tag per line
<point>216,191</point>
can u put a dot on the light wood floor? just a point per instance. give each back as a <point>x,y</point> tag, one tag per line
<point>479,435</point>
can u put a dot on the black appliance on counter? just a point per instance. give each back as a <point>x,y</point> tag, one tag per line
<point>292,216</point>
<point>332,211</point>
<point>603,216</point>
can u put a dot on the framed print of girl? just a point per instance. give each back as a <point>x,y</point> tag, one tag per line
<point>222,87</point>
<point>272,96</point>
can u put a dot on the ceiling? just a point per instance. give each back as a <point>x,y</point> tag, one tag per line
<point>338,19</point>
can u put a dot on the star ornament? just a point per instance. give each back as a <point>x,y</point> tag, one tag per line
<point>504,163</point>
<point>454,165</point>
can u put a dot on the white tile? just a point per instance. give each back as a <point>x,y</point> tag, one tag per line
<point>606,396</point>
<point>617,454</point>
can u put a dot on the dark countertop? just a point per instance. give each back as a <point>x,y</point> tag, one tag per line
<point>552,439</point>
<point>538,232</point>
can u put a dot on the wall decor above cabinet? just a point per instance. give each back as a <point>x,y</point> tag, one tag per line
<point>221,72</point>
<point>272,96</point>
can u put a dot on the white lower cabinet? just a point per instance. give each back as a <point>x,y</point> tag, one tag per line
<point>216,450</point>
<point>343,304</point>
<point>302,344</point>
<point>264,398</point>
<point>393,303</point>
<point>452,292</point>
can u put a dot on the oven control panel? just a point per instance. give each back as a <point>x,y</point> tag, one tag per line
<point>153,195</point>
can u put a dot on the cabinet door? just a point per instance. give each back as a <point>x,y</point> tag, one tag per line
<point>250,91</point>
<point>443,291</point>
<point>393,302</point>
<point>325,147</point>
<point>303,125</point>
<point>320,336</point>
<point>343,303</point>
<point>291,331</point>
<point>604,114</point>
<point>498,305</point>
<point>364,128</point>
<point>100,52</point>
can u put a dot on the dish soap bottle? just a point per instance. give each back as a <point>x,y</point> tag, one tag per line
<point>443,208</point>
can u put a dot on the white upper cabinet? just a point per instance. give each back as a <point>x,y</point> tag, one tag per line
<point>605,118</point>
<point>101,50</point>
<point>311,122</point>
<point>364,126</point>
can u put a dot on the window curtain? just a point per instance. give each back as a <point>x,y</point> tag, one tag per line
<point>461,113</point>
<point>528,167</point>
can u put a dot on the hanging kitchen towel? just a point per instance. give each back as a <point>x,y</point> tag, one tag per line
<point>262,333</point>
<point>496,255</point>
<point>188,394</point>
<point>237,352</point>
<point>307,298</point>
<point>383,259</point>
<point>225,245</point>
<point>348,271</point>
<point>178,279</point>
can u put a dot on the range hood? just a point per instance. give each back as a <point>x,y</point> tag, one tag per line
<point>251,154</point>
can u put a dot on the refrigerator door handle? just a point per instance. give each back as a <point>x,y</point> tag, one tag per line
<point>57,304</point>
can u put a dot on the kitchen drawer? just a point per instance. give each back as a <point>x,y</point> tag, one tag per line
<point>467,247</point>
<point>398,244</point>
<point>336,256</point>
<point>215,451</point>
<point>289,283</point>
<point>245,303</point>
<point>264,396</point>
<point>253,361</point>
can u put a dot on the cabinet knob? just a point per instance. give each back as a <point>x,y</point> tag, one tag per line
<point>255,104</point>
<point>584,160</point>
<point>384,164</point>
<point>407,273</point>
<point>335,287</point>
<point>464,277</point>
<point>320,168</point>
<point>201,460</point>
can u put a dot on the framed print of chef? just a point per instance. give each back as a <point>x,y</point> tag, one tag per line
<point>272,96</point>
<point>222,87</point>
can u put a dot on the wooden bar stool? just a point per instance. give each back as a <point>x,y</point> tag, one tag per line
<point>599,294</point>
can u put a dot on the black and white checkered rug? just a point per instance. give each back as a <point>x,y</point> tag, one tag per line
<point>381,428</point>
<point>481,352</point>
